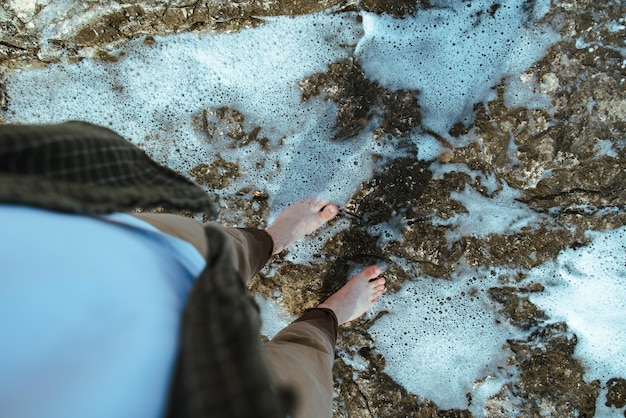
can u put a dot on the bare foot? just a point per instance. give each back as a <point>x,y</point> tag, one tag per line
<point>299,219</point>
<point>357,296</point>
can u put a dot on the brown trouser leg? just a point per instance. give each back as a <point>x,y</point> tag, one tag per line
<point>301,356</point>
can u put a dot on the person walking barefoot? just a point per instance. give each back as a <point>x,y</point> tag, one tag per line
<point>301,356</point>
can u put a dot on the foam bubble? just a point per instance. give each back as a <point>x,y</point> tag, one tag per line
<point>500,214</point>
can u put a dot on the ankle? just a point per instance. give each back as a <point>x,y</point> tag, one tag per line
<point>337,311</point>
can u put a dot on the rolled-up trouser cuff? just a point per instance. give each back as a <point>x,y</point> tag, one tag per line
<point>325,319</point>
<point>253,249</point>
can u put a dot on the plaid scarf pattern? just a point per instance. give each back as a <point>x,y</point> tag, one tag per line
<point>77,167</point>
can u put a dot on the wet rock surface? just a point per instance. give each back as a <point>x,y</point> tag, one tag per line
<point>617,392</point>
<point>117,23</point>
<point>568,161</point>
<point>360,100</point>
<point>551,379</point>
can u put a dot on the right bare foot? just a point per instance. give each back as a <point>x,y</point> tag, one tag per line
<point>357,296</point>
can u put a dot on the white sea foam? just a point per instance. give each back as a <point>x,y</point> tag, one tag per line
<point>499,214</point>
<point>606,147</point>
<point>441,337</point>
<point>454,53</point>
<point>276,316</point>
<point>428,148</point>
<point>586,288</point>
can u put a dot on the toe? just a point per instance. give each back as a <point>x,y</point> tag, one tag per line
<point>379,286</point>
<point>371,272</point>
<point>329,211</point>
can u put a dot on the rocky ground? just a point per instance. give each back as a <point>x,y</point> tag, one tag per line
<point>587,90</point>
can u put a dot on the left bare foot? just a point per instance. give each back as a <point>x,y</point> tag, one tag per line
<point>357,296</point>
<point>299,219</point>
